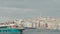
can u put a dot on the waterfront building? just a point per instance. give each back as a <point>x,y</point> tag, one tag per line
<point>41,22</point>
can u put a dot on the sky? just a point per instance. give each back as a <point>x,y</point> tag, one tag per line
<point>29,8</point>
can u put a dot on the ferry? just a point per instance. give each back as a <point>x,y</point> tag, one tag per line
<point>8,28</point>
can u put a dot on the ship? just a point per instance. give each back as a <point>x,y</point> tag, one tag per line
<point>11,27</point>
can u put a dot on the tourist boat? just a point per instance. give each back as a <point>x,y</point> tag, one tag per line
<point>8,28</point>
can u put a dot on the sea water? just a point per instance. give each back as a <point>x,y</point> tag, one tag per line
<point>41,31</point>
<point>36,31</point>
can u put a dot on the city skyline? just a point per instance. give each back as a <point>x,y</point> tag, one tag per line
<point>29,8</point>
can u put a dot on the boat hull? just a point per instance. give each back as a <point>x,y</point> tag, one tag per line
<point>10,31</point>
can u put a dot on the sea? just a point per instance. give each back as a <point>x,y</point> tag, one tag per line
<point>41,31</point>
<point>37,31</point>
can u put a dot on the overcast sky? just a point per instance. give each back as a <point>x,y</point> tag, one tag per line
<point>29,8</point>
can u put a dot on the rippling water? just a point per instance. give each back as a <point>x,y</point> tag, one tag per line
<point>37,31</point>
<point>40,31</point>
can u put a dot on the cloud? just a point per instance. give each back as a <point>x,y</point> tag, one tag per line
<point>29,8</point>
<point>8,11</point>
<point>16,11</point>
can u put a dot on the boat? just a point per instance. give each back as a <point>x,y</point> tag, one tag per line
<point>8,28</point>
